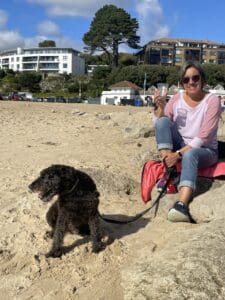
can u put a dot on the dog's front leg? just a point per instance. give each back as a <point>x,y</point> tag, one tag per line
<point>58,236</point>
<point>94,225</point>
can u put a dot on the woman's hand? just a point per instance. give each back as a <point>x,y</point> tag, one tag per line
<point>171,159</point>
<point>159,103</point>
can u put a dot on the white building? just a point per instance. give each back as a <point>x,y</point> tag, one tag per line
<point>123,91</point>
<point>43,59</point>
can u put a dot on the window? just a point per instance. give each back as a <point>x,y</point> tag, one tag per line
<point>65,57</point>
<point>165,52</point>
<point>154,56</point>
<point>64,66</point>
<point>221,55</point>
<point>192,55</point>
<point>164,60</point>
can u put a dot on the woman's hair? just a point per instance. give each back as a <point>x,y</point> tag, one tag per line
<point>197,66</point>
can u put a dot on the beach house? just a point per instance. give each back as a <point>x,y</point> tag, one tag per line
<point>121,93</point>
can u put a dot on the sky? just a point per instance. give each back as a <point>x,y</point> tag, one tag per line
<point>25,23</point>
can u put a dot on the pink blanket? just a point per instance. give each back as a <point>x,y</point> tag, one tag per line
<point>154,170</point>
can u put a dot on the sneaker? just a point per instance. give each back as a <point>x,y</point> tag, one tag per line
<point>179,213</point>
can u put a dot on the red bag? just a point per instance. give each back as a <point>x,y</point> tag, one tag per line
<point>152,171</point>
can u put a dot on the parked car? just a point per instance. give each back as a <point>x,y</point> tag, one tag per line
<point>60,99</point>
<point>5,97</point>
<point>74,100</point>
<point>15,97</point>
<point>96,100</point>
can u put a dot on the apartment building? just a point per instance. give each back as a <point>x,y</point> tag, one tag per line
<point>171,51</point>
<point>43,59</point>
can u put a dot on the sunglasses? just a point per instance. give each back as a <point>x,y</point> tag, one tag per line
<point>194,78</point>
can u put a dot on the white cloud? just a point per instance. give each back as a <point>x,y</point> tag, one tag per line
<point>85,8</point>
<point>60,42</point>
<point>151,22</point>
<point>3,18</point>
<point>48,28</point>
<point>10,40</point>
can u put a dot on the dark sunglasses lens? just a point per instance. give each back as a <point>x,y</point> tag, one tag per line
<point>185,80</point>
<point>194,78</point>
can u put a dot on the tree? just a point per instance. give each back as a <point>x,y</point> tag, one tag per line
<point>47,43</point>
<point>127,59</point>
<point>110,28</point>
<point>9,83</point>
<point>29,81</point>
<point>2,73</point>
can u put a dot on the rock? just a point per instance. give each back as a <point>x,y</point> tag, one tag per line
<point>136,130</point>
<point>103,116</point>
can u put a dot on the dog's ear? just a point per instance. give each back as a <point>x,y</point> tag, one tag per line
<point>86,183</point>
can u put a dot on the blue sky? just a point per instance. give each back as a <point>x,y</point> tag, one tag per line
<point>24,23</point>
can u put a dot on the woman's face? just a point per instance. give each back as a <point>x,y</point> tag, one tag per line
<point>192,81</point>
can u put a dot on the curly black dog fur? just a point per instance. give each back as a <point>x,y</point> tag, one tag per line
<point>76,209</point>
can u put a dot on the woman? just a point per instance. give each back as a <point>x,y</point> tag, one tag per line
<point>186,130</point>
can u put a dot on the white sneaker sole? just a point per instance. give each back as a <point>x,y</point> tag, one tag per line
<point>176,216</point>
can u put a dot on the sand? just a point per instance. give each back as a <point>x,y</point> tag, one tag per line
<point>96,139</point>
<point>89,137</point>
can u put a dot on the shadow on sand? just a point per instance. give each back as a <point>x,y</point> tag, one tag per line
<point>112,231</point>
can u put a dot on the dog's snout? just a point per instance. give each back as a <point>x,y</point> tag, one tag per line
<point>29,189</point>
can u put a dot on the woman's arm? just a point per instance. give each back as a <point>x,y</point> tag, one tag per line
<point>210,123</point>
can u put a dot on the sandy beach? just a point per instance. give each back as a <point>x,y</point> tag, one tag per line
<point>148,259</point>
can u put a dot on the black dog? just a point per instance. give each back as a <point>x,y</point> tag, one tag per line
<point>76,209</point>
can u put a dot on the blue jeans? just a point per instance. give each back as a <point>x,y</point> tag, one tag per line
<point>167,137</point>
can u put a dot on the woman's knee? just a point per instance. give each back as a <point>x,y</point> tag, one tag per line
<point>162,123</point>
<point>190,157</point>
<point>190,153</point>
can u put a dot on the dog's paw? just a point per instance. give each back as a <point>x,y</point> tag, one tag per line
<point>96,248</point>
<point>54,253</point>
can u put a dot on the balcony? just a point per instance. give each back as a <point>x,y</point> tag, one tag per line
<point>48,66</point>
<point>29,66</point>
<point>49,59</point>
<point>30,59</point>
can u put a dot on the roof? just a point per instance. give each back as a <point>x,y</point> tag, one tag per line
<point>22,51</point>
<point>183,40</point>
<point>125,84</point>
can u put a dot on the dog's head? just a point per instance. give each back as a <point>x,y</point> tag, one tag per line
<point>52,181</point>
<point>61,180</point>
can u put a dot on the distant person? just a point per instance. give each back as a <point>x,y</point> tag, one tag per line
<point>149,101</point>
<point>186,131</point>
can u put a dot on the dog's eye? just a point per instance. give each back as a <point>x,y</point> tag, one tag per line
<point>53,178</point>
